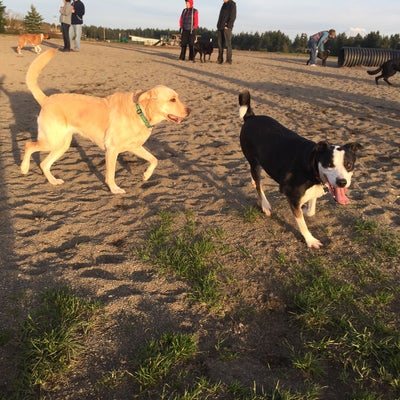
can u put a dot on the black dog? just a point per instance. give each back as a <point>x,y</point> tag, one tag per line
<point>322,55</point>
<point>300,167</point>
<point>203,48</point>
<point>388,68</point>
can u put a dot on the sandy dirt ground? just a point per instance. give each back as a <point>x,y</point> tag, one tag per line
<point>81,235</point>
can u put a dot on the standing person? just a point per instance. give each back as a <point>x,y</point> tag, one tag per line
<point>188,23</point>
<point>65,19</point>
<point>226,19</point>
<point>75,31</point>
<point>317,42</point>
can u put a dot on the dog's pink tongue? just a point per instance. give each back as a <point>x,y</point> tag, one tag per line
<point>340,196</point>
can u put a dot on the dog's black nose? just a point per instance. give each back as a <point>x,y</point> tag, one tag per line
<point>341,182</point>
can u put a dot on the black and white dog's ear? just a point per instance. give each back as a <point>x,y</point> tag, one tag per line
<point>244,98</point>
<point>322,146</point>
<point>245,110</point>
<point>353,147</point>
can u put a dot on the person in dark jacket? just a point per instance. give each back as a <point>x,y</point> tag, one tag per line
<point>188,23</point>
<point>226,19</point>
<point>75,31</point>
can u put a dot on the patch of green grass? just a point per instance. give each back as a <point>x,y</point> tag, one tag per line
<point>241,392</point>
<point>225,352</point>
<point>351,326</point>
<point>250,214</point>
<point>309,363</point>
<point>52,337</point>
<point>162,355</point>
<point>201,389</point>
<point>381,240</point>
<point>177,245</point>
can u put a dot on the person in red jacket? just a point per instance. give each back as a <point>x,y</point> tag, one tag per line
<point>188,23</point>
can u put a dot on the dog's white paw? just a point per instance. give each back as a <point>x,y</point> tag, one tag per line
<point>308,213</point>
<point>266,211</point>
<point>56,182</point>
<point>313,243</point>
<point>266,207</point>
<point>147,174</point>
<point>25,168</point>
<point>117,190</point>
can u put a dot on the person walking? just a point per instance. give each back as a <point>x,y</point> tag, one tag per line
<point>316,43</point>
<point>75,31</point>
<point>188,23</point>
<point>65,20</point>
<point>226,19</point>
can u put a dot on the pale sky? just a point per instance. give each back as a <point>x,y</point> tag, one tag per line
<point>291,17</point>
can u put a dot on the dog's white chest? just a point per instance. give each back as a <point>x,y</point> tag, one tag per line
<point>312,193</point>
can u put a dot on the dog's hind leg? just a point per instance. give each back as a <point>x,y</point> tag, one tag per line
<point>30,148</point>
<point>45,165</point>
<point>387,81</point>
<point>51,158</point>
<point>256,181</point>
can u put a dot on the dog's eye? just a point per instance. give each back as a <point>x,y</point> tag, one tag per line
<point>348,166</point>
<point>331,165</point>
<point>173,100</point>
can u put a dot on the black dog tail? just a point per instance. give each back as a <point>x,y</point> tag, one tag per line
<point>245,110</point>
<point>375,71</point>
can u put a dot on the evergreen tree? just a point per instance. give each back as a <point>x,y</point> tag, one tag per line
<point>300,43</point>
<point>2,17</point>
<point>33,21</point>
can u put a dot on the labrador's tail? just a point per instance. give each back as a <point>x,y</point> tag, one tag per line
<point>33,74</point>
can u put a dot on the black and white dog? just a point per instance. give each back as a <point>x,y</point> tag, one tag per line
<point>300,166</point>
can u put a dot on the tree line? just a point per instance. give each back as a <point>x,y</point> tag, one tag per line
<point>271,41</point>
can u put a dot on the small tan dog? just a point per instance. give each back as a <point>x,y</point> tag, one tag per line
<point>35,39</point>
<point>117,123</point>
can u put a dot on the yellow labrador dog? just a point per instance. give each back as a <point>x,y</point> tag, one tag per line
<point>35,39</point>
<point>117,123</point>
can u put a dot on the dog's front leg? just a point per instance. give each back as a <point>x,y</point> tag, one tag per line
<point>310,208</point>
<point>111,160</point>
<point>146,155</point>
<point>311,241</point>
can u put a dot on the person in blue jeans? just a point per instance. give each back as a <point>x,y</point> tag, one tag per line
<point>226,19</point>
<point>317,42</point>
<point>65,20</point>
<point>75,31</point>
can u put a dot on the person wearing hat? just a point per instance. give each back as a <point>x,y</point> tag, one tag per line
<point>226,19</point>
<point>188,23</point>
